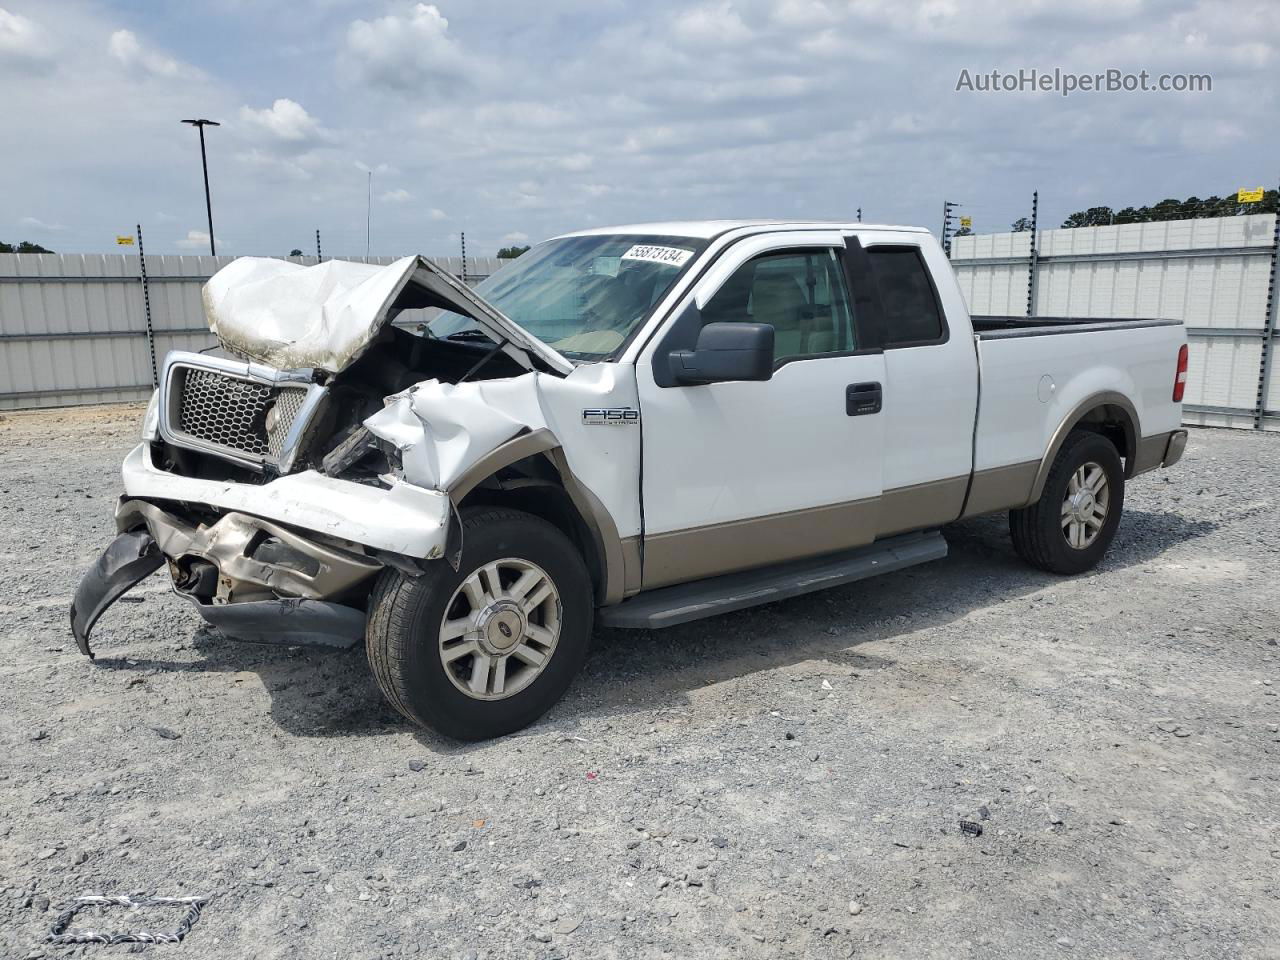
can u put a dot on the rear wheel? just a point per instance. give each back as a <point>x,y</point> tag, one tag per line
<point>487,649</point>
<point>1070,527</point>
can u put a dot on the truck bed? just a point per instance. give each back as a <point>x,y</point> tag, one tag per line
<point>995,327</point>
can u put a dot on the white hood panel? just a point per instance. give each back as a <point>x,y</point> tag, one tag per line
<point>290,316</point>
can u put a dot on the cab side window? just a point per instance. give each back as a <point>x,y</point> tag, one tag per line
<point>801,294</point>
<point>911,313</point>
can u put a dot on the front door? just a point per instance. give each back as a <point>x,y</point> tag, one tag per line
<point>741,475</point>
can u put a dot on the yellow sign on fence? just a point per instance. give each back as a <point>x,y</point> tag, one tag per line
<point>124,241</point>
<point>1244,195</point>
<point>966,222</point>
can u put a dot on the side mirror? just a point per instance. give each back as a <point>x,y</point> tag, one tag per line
<point>724,352</point>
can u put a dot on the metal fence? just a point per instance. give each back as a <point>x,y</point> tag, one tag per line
<point>1216,275</point>
<point>89,328</point>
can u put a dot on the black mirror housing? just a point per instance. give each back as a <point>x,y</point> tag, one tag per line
<point>726,352</point>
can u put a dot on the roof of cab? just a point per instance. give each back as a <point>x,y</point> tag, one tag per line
<point>706,229</point>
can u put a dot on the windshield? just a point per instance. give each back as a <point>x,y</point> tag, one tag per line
<point>582,295</point>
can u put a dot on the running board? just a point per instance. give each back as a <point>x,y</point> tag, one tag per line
<point>684,602</point>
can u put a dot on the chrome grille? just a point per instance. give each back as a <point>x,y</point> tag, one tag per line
<point>225,411</point>
<point>244,413</point>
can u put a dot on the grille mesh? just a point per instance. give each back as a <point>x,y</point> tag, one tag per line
<point>233,413</point>
<point>288,406</point>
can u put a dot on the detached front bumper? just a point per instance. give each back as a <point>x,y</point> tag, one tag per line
<point>274,559</point>
<point>252,578</point>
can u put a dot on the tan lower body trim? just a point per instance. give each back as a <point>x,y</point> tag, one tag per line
<point>631,565</point>
<point>1001,488</point>
<point>922,505</point>
<point>683,555</point>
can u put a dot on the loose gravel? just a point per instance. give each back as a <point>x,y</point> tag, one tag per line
<point>783,782</point>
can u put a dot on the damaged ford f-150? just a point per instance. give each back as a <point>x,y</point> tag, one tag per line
<point>636,426</point>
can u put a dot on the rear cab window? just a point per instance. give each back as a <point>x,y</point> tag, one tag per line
<point>912,314</point>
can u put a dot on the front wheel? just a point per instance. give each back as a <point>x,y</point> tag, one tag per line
<point>1070,527</point>
<point>487,649</point>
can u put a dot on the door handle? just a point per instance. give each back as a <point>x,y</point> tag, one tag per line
<point>861,399</point>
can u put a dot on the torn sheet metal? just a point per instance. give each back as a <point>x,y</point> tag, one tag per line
<point>442,429</point>
<point>291,316</point>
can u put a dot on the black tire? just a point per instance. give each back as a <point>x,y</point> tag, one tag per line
<point>402,637</point>
<point>1037,530</point>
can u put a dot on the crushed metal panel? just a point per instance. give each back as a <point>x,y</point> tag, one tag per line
<point>292,316</point>
<point>443,429</point>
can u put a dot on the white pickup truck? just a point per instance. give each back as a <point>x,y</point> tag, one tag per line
<point>636,426</point>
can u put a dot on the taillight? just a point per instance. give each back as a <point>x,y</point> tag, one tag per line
<point>1180,377</point>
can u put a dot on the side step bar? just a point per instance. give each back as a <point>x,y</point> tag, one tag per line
<point>684,602</point>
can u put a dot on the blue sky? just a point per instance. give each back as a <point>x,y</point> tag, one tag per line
<point>521,120</point>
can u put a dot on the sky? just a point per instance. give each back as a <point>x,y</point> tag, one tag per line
<point>516,121</point>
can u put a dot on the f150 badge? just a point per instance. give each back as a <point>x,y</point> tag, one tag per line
<point>611,417</point>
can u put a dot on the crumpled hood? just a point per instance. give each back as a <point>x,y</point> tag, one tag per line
<point>291,316</point>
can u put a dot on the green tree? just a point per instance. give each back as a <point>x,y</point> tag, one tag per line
<point>295,252</point>
<point>1021,225</point>
<point>1093,217</point>
<point>26,246</point>
<point>510,253</point>
<point>1170,208</point>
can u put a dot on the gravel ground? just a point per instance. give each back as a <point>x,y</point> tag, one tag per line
<point>781,782</point>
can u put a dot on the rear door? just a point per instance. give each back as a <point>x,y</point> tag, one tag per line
<point>931,382</point>
<point>740,475</point>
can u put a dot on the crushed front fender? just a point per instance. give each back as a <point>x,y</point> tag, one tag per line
<point>131,558</point>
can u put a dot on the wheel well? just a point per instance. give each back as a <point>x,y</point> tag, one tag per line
<point>534,486</point>
<point>1113,422</point>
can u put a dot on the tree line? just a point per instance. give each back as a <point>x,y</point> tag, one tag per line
<point>1192,208</point>
<point>26,246</point>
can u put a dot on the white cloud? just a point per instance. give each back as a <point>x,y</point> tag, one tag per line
<point>286,122</point>
<point>712,25</point>
<point>399,195</point>
<point>37,224</point>
<point>407,54</point>
<point>577,162</point>
<point>435,213</point>
<point>194,240</point>
<point>24,41</point>
<point>515,237</point>
<point>126,49</point>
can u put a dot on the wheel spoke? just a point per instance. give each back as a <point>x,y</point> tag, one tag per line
<point>1067,509</point>
<point>453,629</point>
<point>1073,485</point>
<point>499,675</point>
<point>450,654</point>
<point>534,600</point>
<point>1097,480</point>
<point>540,634</point>
<point>1098,517</point>
<point>475,592</point>
<point>493,582</point>
<point>528,580</point>
<point>480,673</point>
<point>1077,534</point>
<point>534,658</point>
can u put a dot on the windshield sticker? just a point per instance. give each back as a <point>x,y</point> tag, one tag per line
<point>671,256</point>
<point>606,266</point>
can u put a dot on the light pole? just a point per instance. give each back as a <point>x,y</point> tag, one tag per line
<point>208,204</point>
